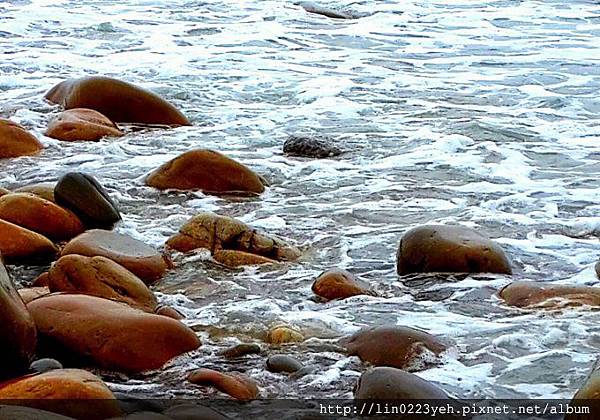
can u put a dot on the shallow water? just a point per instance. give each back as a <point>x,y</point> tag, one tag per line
<point>471,112</point>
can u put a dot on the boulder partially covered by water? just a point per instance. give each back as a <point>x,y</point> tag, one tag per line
<point>217,233</point>
<point>395,346</point>
<point>23,245</point>
<point>44,190</point>
<point>235,385</point>
<point>111,334</point>
<point>39,215</point>
<point>339,284</point>
<point>317,9</point>
<point>17,330</point>
<point>388,383</point>
<point>81,124</point>
<point>449,249</point>
<point>15,141</point>
<point>141,259</point>
<point>206,170</point>
<point>85,197</point>
<point>99,276</point>
<point>119,101</point>
<point>313,147</point>
<point>537,294</point>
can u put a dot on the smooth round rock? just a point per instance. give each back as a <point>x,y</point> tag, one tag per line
<point>141,259</point>
<point>17,329</point>
<point>449,249</point>
<point>85,197</point>
<point>15,412</point>
<point>528,293</point>
<point>206,170</point>
<point>111,334</point>
<point>339,284</point>
<point>40,215</point>
<point>42,189</point>
<point>281,335</point>
<point>235,385</point>
<point>81,124</point>
<point>18,244</point>
<point>233,259</point>
<point>29,294</point>
<point>310,147</point>
<point>117,100</point>
<point>282,363</point>
<point>241,350</point>
<point>45,365</point>
<point>388,383</point>
<point>165,310</point>
<point>394,346</point>
<point>99,276</point>
<point>15,141</point>
<point>193,412</point>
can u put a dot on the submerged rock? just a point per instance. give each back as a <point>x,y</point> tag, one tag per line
<point>235,385</point>
<point>233,259</point>
<point>111,334</point>
<point>141,259</point>
<point>81,124</point>
<point>388,383</point>
<point>85,197</point>
<point>527,293</point>
<point>20,244</point>
<point>311,7</point>
<point>15,141</point>
<point>310,147</point>
<point>282,363</point>
<point>119,101</point>
<point>449,249</point>
<point>339,284</point>
<point>206,170</point>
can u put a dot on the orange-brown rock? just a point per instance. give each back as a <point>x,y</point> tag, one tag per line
<point>236,385</point>
<point>117,100</point>
<point>339,284</point>
<point>80,124</point>
<point>165,310</point>
<point>99,276</point>
<point>41,280</point>
<point>40,215</point>
<point>70,392</point>
<point>19,244</point>
<point>42,189</point>
<point>205,170</point>
<point>388,383</point>
<point>449,249</point>
<point>16,141</point>
<point>3,191</point>
<point>31,293</point>
<point>217,233</point>
<point>234,259</point>
<point>141,259</point>
<point>532,294</point>
<point>110,334</point>
<point>395,346</point>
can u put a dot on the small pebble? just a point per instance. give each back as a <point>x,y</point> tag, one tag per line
<point>282,363</point>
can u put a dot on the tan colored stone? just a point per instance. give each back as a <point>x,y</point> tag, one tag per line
<point>235,259</point>
<point>29,294</point>
<point>42,189</point>
<point>281,335</point>
<point>16,141</point>
<point>19,244</point>
<point>80,124</point>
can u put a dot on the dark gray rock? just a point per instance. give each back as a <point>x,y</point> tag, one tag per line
<point>45,365</point>
<point>310,147</point>
<point>282,363</point>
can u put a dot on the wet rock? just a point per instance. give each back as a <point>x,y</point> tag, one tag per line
<point>40,215</point>
<point>81,124</point>
<point>282,363</point>
<point>310,147</point>
<point>16,141</point>
<point>216,233</point>
<point>449,249</point>
<point>9,412</point>
<point>4,191</point>
<point>18,244</point>
<point>42,189</point>
<point>141,259</point>
<point>339,284</point>
<point>101,277</point>
<point>85,197</point>
<point>388,383</point>
<point>17,330</point>
<point>527,293</point>
<point>165,310</point>
<point>311,7</point>
<point>70,392</point>
<point>395,346</point>
<point>193,412</point>
<point>41,280</point>
<point>111,334</point>
<point>233,259</point>
<point>241,350</point>
<point>31,293</point>
<point>119,101</point>
<point>235,385</point>
<point>206,170</point>
<point>282,334</point>
<point>45,365</point>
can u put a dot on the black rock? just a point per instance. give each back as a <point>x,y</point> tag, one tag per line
<point>45,365</point>
<point>85,197</point>
<point>282,363</point>
<point>310,147</point>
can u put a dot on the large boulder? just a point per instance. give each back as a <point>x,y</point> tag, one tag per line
<point>39,215</point>
<point>216,233</point>
<point>17,330</point>
<point>528,293</point>
<point>99,276</point>
<point>110,334</point>
<point>235,385</point>
<point>206,170</point>
<point>117,100</point>
<point>395,346</point>
<point>16,141</point>
<point>85,197</point>
<point>141,259</point>
<point>20,244</point>
<point>81,124</point>
<point>449,249</point>
<point>388,383</point>
<point>339,284</point>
